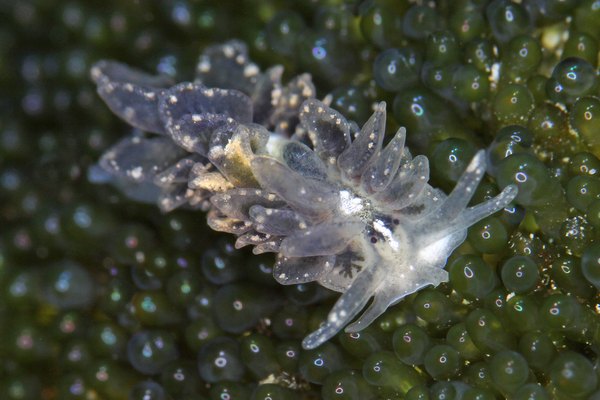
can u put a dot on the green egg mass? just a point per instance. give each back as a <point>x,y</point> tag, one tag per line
<point>102,297</point>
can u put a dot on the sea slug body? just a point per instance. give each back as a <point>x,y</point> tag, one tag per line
<point>287,174</point>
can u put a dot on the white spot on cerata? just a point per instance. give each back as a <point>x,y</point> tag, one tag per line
<point>306,91</point>
<point>129,112</point>
<point>228,51</point>
<point>136,173</point>
<point>204,65</point>
<point>250,70</point>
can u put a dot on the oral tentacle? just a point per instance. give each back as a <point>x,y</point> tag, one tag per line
<point>377,307</point>
<point>480,211</point>
<point>464,190</point>
<point>347,306</point>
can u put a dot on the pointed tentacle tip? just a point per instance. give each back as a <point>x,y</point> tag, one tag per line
<point>318,337</point>
<point>329,330</point>
<point>478,161</point>
<point>508,194</point>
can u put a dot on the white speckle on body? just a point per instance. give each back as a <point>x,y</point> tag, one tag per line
<point>129,113</point>
<point>136,173</point>
<point>204,66</point>
<point>250,70</point>
<point>228,51</point>
<point>349,204</point>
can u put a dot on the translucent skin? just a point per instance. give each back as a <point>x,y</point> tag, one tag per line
<point>334,204</point>
<point>398,238</point>
<point>408,254</point>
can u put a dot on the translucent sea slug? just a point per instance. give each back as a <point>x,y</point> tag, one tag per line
<point>287,174</point>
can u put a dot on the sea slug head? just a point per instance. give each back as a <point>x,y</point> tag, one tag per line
<point>361,218</point>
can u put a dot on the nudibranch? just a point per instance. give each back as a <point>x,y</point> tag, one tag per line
<point>289,175</point>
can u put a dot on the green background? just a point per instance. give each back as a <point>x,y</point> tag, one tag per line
<point>102,298</point>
